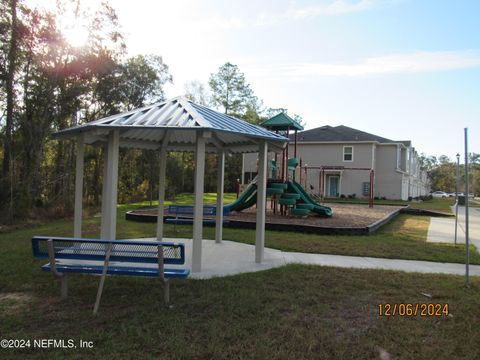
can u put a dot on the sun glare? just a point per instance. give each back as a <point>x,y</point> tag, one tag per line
<point>76,35</point>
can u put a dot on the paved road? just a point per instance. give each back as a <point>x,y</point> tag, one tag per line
<point>443,229</point>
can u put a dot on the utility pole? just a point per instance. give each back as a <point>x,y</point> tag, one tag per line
<point>467,241</point>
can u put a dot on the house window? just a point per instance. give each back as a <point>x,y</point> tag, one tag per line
<point>348,153</point>
<point>399,157</point>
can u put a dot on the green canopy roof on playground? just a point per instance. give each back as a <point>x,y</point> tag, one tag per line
<point>281,122</point>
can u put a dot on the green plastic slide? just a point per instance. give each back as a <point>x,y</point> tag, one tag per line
<point>317,208</point>
<point>246,199</point>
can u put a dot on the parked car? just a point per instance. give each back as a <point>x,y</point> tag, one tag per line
<point>439,194</point>
<point>453,194</point>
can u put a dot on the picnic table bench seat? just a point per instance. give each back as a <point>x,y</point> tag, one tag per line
<point>143,258</point>
<point>178,210</point>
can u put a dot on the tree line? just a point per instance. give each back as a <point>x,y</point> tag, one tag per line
<point>442,172</point>
<point>48,84</point>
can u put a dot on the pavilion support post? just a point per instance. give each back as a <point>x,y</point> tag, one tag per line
<point>104,210</point>
<point>198,209</point>
<point>261,202</point>
<point>161,186</point>
<point>78,208</point>
<point>220,186</point>
<point>109,211</point>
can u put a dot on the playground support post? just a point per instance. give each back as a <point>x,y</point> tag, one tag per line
<point>372,180</point>
<point>467,240</point>
<point>295,146</point>
<point>286,155</point>
<point>306,175</point>
<point>300,177</point>
<point>322,183</point>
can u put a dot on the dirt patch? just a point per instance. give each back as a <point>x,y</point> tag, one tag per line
<point>14,301</point>
<point>344,215</point>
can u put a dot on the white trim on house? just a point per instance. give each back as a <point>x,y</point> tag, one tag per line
<point>343,157</point>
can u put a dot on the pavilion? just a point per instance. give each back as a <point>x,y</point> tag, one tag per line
<point>173,125</point>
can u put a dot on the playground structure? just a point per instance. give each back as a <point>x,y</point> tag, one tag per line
<point>321,178</point>
<point>289,195</point>
<point>285,193</point>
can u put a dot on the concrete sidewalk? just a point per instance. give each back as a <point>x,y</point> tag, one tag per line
<point>230,258</point>
<point>443,229</point>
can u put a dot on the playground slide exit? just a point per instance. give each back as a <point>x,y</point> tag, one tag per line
<point>317,208</point>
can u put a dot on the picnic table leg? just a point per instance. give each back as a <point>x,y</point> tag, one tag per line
<point>166,291</point>
<point>57,275</point>
<point>102,279</point>
<point>161,273</point>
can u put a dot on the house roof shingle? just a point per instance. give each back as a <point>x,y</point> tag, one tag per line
<point>338,133</point>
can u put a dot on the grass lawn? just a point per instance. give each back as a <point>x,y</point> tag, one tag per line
<point>436,204</point>
<point>402,238</point>
<point>292,312</point>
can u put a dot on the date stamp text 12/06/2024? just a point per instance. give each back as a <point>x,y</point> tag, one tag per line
<point>413,309</point>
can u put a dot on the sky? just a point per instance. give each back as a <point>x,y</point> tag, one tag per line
<point>400,69</point>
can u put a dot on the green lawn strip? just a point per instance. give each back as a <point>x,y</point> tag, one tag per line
<point>402,238</point>
<point>290,312</point>
<point>436,204</point>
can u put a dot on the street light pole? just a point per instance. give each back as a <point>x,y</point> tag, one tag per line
<point>456,196</point>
